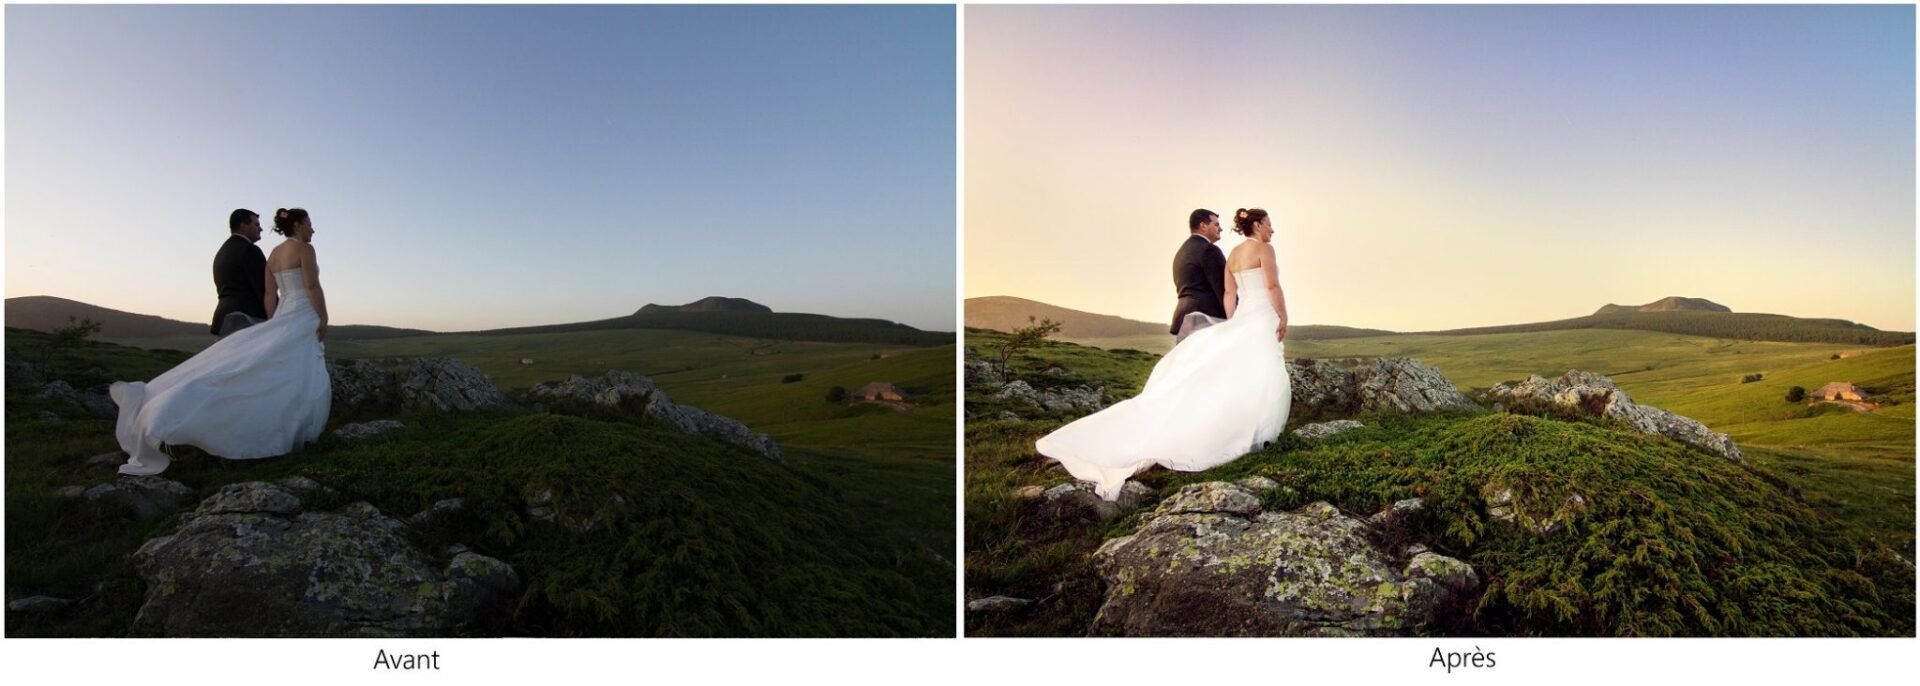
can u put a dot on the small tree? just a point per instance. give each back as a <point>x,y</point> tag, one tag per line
<point>792,378</point>
<point>1024,338</point>
<point>67,338</point>
<point>1796,394</point>
<point>1750,378</point>
<point>836,394</point>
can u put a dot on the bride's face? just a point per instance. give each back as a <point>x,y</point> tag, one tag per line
<point>304,232</point>
<point>1263,229</point>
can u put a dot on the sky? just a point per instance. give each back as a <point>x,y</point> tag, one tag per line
<point>481,167</point>
<point>1433,167</point>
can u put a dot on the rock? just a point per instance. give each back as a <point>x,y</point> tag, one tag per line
<point>70,492</point>
<point>113,459</point>
<point>138,498</point>
<point>1210,562</point>
<point>23,373</point>
<point>996,604</point>
<point>1077,501</point>
<point>638,395</point>
<point>542,506</point>
<point>1029,493</point>
<point>1321,430</point>
<point>1397,514</point>
<point>37,605</point>
<point>300,484</point>
<point>251,561</point>
<point>1018,391</point>
<point>360,430</point>
<point>436,516</point>
<point>91,404</point>
<point>412,384</point>
<point>1407,386</point>
<point>359,383</point>
<point>1068,400</point>
<point>443,384</point>
<point>1006,415</point>
<point>1578,393</point>
<point>47,416</point>
<point>1501,507</point>
<point>1320,388</point>
<point>1074,400</point>
<point>1257,484</point>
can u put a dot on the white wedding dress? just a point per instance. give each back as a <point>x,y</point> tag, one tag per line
<point>1219,394</point>
<point>261,391</point>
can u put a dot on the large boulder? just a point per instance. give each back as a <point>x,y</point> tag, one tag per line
<point>138,498</point>
<point>1320,388</point>
<point>1406,386</point>
<point>438,384</point>
<point>638,395</point>
<point>88,403</point>
<point>1388,384</point>
<point>1578,393</point>
<point>1210,562</point>
<point>251,561</point>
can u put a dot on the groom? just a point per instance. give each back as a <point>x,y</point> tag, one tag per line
<point>1199,272</point>
<point>240,276</point>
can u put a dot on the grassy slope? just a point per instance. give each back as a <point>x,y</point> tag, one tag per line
<point>1674,543</point>
<point>866,500</point>
<point>1860,466</point>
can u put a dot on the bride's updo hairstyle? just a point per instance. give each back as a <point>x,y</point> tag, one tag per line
<point>286,219</point>
<point>1243,220</point>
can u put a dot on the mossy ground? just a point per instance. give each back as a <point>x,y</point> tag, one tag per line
<point>713,541</point>
<point>1670,541</point>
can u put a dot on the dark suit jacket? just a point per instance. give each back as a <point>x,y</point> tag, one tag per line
<point>1200,274</point>
<point>240,276</point>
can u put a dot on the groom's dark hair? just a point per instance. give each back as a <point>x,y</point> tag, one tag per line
<point>239,218</point>
<point>1197,218</point>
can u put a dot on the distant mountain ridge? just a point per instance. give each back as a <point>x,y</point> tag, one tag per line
<point>708,304</point>
<point>46,313</point>
<point>719,315</point>
<point>1673,303</point>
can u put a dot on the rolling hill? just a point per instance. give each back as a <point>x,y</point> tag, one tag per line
<point>1006,313</point>
<point>1673,303</point>
<point>1674,315</point>
<point>46,313</point>
<point>727,316</point>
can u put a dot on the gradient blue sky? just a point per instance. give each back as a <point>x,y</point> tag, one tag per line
<point>477,167</point>
<point>1432,167</point>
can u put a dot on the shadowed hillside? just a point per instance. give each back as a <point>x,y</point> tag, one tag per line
<point>1744,326</point>
<point>1673,303</point>
<point>1006,313</point>
<point>46,313</point>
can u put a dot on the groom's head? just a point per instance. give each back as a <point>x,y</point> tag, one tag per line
<point>244,222</point>
<point>1205,223</point>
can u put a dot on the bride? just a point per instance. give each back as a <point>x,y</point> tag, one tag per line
<point>261,391</point>
<point>1220,393</point>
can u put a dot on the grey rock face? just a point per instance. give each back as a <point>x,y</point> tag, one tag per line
<point>1406,386</point>
<point>360,430</point>
<point>1320,388</point>
<point>1077,501</point>
<point>1587,394</point>
<point>580,519</point>
<point>428,383</point>
<point>996,604</point>
<point>638,395</point>
<point>1210,562</point>
<point>38,605</point>
<point>138,498</point>
<point>252,561</point>
<point>1066,400</point>
<point>89,404</point>
<point>1321,430</point>
<point>1502,506</point>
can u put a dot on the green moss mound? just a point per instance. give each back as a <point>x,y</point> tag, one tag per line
<point>1667,540</point>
